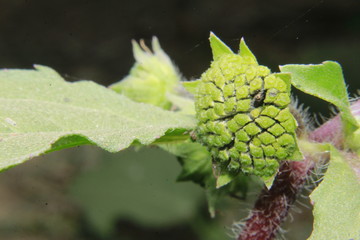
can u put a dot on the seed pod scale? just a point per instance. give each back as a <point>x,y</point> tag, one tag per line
<point>243,114</point>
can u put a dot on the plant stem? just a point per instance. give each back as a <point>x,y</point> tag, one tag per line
<point>272,206</point>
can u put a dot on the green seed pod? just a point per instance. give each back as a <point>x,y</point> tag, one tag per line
<point>243,115</point>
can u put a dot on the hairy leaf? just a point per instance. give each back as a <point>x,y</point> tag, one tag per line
<point>337,202</point>
<point>40,112</point>
<point>325,81</point>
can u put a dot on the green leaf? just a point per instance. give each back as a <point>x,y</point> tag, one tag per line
<point>151,78</point>
<point>136,185</point>
<point>245,52</point>
<point>182,104</point>
<point>325,81</point>
<point>337,202</point>
<point>197,167</point>
<point>218,47</point>
<point>40,112</point>
<point>224,178</point>
<point>195,160</point>
<point>237,188</point>
<point>286,77</point>
<point>192,86</point>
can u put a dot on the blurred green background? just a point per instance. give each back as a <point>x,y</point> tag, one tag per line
<point>86,193</point>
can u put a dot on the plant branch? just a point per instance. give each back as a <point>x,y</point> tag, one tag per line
<point>272,206</point>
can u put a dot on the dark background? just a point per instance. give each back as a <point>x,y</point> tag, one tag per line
<point>91,40</point>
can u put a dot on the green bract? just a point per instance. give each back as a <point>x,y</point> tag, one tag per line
<point>243,115</point>
<point>151,78</point>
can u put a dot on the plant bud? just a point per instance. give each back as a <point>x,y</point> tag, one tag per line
<point>243,116</point>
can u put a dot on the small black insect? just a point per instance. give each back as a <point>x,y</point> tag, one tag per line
<point>258,99</point>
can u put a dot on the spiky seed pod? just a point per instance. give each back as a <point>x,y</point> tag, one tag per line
<point>243,116</point>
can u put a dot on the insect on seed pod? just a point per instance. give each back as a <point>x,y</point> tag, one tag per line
<point>243,114</point>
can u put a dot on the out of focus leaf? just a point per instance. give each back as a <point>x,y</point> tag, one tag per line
<point>197,167</point>
<point>195,161</point>
<point>138,186</point>
<point>182,104</point>
<point>191,86</point>
<point>151,78</point>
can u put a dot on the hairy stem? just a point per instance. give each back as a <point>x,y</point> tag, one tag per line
<point>272,206</point>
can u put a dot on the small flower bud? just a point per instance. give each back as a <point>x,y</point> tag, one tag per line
<point>243,116</point>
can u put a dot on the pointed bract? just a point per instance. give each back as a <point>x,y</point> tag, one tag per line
<point>191,86</point>
<point>156,45</point>
<point>224,179</point>
<point>152,76</point>
<point>286,77</point>
<point>139,54</point>
<point>218,47</point>
<point>245,52</point>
